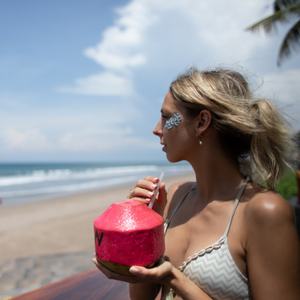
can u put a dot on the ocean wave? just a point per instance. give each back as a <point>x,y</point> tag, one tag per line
<point>39,176</point>
<point>41,183</point>
<point>69,174</point>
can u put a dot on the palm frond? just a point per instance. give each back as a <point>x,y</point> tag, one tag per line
<point>290,42</point>
<point>281,4</point>
<point>281,16</point>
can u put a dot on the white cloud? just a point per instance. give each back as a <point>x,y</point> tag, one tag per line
<point>29,140</point>
<point>286,85</point>
<point>161,32</point>
<point>103,84</point>
<point>283,88</point>
<point>91,140</point>
<point>113,61</point>
<point>118,52</point>
<point>120,49</point>
<point>213,31</point>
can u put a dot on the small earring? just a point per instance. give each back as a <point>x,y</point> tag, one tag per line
<point>199,139</point>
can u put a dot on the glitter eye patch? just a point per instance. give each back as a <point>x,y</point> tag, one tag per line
<point>173,122</point>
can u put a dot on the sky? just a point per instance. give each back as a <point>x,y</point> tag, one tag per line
<point>84,80</point>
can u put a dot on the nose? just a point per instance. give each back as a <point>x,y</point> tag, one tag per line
<point>158,129</point>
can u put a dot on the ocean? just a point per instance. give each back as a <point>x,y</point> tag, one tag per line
<point>28,182</point>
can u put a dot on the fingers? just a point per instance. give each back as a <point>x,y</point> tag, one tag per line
<point>139,274</point>
<point>154,274</point>
<point>152,179</point>
<point>149,183</point>
<point>144,189</point>
<point>157,274</point>
<point>143,193</point>
<point>112,275</point>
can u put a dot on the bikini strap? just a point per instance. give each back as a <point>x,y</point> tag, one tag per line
<point>168,221</point>
<point>236,202</point>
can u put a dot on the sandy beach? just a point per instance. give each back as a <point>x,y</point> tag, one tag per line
<point>59,227</point>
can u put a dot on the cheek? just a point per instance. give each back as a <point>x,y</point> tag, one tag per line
<point>170,137</point>
<point>173,137</point>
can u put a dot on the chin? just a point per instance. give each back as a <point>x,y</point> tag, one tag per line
<point>173,159</point>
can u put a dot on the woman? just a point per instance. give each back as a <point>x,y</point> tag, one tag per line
<point>227,237</point>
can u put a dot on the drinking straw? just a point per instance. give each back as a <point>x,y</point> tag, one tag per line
<point>156,191</point>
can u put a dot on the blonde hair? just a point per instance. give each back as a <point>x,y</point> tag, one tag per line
<point>249,128</point>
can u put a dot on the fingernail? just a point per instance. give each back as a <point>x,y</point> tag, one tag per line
<point>147,199</point>
<point>153,186</point>
<point>150,194</point>
<point>156,179</point>
<point>134,271</point>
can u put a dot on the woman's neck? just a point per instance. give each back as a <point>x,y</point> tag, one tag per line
<point>217,174</point>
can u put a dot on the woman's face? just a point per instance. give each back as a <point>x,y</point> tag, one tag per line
<point>176,131</point>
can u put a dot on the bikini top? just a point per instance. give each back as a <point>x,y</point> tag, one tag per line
<point>213,268</point>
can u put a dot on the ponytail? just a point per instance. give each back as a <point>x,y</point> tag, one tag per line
<point>271,144</point>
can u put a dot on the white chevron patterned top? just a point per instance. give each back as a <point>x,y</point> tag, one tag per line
<point>218,276</point>
<point>213,268</point>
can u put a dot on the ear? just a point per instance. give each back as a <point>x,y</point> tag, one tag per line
<point>204,120</point>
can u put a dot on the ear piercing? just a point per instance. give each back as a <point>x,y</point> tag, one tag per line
<point>199,139</point>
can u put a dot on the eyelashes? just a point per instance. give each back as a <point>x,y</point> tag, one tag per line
<point>173,121</point>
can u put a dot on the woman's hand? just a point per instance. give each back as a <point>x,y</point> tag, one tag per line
<point>145,283</point>
<point>144,191</point>
<point>159,274</point>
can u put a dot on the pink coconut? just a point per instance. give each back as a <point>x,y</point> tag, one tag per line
<point>129,233</point>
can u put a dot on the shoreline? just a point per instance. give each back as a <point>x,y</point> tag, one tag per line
<point>59,225</point>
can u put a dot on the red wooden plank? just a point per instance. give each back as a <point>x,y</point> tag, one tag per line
<point>88,285</point>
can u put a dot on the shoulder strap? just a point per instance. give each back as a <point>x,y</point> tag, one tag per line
<point>236,202</point>
<point>168,221</point>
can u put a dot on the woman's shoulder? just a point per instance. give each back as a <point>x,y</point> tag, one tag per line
<point>181,187</point>
<point>176,192</point>
<point>267,208</point>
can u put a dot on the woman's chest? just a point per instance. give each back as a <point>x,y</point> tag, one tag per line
<point>201,235</point>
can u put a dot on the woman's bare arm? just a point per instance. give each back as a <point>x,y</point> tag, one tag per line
<point>273,251</point>
<point>145,291</point>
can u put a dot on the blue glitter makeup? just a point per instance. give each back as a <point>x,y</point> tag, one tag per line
<point>173,122</point>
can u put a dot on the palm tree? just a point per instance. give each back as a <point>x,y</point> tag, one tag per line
<point>284,11</point>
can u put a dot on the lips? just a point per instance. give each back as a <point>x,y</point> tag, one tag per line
<point>164,145</point>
